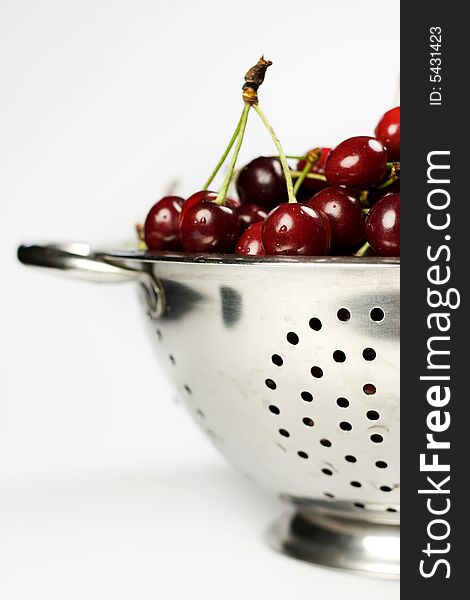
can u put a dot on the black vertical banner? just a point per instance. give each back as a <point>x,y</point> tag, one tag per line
<point>435,269</point>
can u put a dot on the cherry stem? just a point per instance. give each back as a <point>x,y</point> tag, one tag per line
<point>364,199</point>
<point>363,250</point>
<point>141,245</point>
<point>393,176</point>
<point>222,195</point>
<point>318,176</point>
<point>312,157</point>
<point>224,155</point>
<point>391,180</point>
<point>282,156</point>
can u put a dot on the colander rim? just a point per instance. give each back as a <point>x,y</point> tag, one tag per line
<point>233,259</point>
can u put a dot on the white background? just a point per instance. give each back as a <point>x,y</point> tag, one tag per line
<point>107,490</point>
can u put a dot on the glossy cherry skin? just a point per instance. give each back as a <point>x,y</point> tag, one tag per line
<point>251,241</point>
<point>262,182</point>
<point>204,196</point>
<point>344,213</point>
<point>388,132</point>
<point>296,229</point>
<point>357,163</point>
<point>312,186</point>
<point>197,198</point>
<point>251,213</point>
<point>161,230</point>
<point>209,227</point>
<point>382,227</point>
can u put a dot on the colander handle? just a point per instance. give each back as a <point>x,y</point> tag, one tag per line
<point>80,262</point>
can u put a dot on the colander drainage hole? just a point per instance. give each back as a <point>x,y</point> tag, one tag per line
<point>392,510</point>
<point>369,354</point>
<point>376,438</point>
<point>343,315</point>
<point>356,484</point>
<point>327,472</point>
<point>302,454</point>
<point>308,422</point>
<point>292,338</point>
<point>377,314</point>
<point>200,413</point>
<point>385,488</point>
<point>369,389</point>
<point>172,359</point>
<point>372,415</point>
<point>350,458</point>
<point>325,442</point>
<point>284,432</point>
<point>274,409</point>
<point>339,356</point>
<point>159,335</point>
<point>359,505</point>
<point>345,426</point>
<point>315,324</point>
<point>277,360</point>
<point>316,372</point>
<point>328,495</point>
<point>342,402</point>
<point>271,384</point>
<point>381,464</point>
<point>187,389</point>
<point>306,396</point>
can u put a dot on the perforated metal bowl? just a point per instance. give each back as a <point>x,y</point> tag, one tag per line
<point>291,366</point>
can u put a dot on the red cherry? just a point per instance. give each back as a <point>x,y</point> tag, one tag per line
<point>296,229</point>
<point>357,162</point>
<point>382,226</point>
<point>344,213</point>
<point>251,241</point>
<point>251,213</point>
<point>197,198</point>
<point>233,203</point>
<point>161,225</point>
<point>388,132</point>
<point>205,196</point>
<point>209,227</point>
<point>262,182</point>
<point>312,186</point>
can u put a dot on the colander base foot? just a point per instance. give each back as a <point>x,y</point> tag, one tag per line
<point>340,543</point>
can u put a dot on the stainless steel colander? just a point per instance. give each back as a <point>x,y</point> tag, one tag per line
<point>291,366</point>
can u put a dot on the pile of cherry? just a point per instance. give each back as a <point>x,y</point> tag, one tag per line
<point>347,203</point>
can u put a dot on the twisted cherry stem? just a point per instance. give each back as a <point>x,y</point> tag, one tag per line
<point>393,176</point>
<point>313,156</point>
<point>224,155</point>
<point>222,195</point>
<point>282,156</point>
<point>363,250</point>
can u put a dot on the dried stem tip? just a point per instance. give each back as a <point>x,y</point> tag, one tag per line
<point>140,231</point>
<point>396,169</point>
<point>253,79</point>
